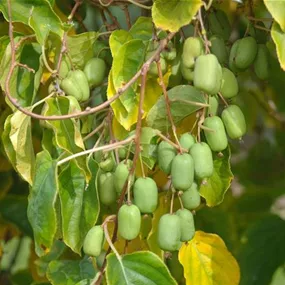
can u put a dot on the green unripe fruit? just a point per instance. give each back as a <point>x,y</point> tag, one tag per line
<point>182,171</point>
<point>170,54</point>
<point>93,241</point>
<point>192,48</point>
<point>244,52</point>
<point>169,232</point>
<point>121,175</point>
<point>261,63</point>
<point>214,105</point>
<point>65,66</point>
<point>217,138</point>
<point>122,153</point>
<point>166,153</point>
<point>234,121</point>
<point>107,191</point>
<point>203,160</point>
<point>129,221</point>
<point>229,86</point>
<point>186,224</point>
<point>218,48</point>
<point>219,24</point>
<point>208,74</point>
<point>191,198</point>
<point>100,259</point>
<point>175,267</point>
<point>153,66</point>
<point>107,165</point>
<point>76,85</point>
<point>233,52</point>
<point>145,195</point>
<point>186,141</point>
<point>95,71</point>
<point>187,73</point>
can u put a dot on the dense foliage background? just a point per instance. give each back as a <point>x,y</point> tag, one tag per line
<point>249,216</point>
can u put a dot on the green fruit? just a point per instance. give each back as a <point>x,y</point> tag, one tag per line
<point>208,74</point>
<point>176,76</point>
<point>233,52</point>
<point>107,191</point>
<point>76,85</point>
<point>218,48</point>
<point>93,241</point>
<point>169,232</point>
<point>182,171</point>
<point>203,160</point>
<point>186,141</point>
<point>122,153</point>
<point>129,221</point>
<point>65,66</point>
<point>192,48</point>
<point>261,63</point>
<point>145,195</point>
<point>243,53</point>
<point>95,71</point>
<point>100,259</point>
<point>166,153</point>
<point>107,165</point>
<point>191,198</point>
<point>121,175</point>
<point>175,267</point>
<point>217,138</point>
<point>170,54</point>
<point>214,105</point>
<point>219,24</point>
<point>229,86</point>
<point>186,224</point>
<point>153,66</point>
<point>187,73</point>
<point>234,121</point>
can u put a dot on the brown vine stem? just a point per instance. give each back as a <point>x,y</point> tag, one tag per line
<point>170,141</point>
<point>223,99</point>
<point>94,131</point>
<point>104,148</point>
<point>203,31</point>
<point>127,14</point>
<point>260,19</point>
<point>167,103</point>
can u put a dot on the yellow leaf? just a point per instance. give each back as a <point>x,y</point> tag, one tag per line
<point>207,261</point>
<point>277,10</point>
<point>279,39</point>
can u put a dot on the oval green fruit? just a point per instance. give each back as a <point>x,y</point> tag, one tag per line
<point>233,52</point>
<point>121,175</point>
<point>192,48</point>
<point>107,164</point>
<point>186,224</point>
<point>122,153</point>
<point>214,105</point>
<point>107,191</point>
<point>182,171</point>
<point>145,194</point>
<point>166,153</point>
<point>191,198</point>
<point>175,267</point>
<point>187,73</point>
<point>186,141</point>
<point>95,71</point>
<point>234,121</point>
<point>129,221</point>
<point>261,62</point>
<point>65,66</point>
<point>203,160</point>
<point>93,241</point>
<point>152,71</point>
<point>218,48</point>
<point>208,74</point>
<point>217,138</point>
<point>229,86</point>
<point>169,232</point>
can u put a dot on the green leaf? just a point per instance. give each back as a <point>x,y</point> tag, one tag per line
<point>14,209</point>
<point>172,15</point>
<point>79,204</point>
<point>37,14</point>
<point>42,199</point>
<point>138,268</point>
<point>117,39</point>
<point>67,134</point>
<point>63,272</point>
<point>23,84</point>
<point>4,41</point>
<point>216,186</point>
<point>277,10</point>
<point>80,47</point>
<point>279,39</point>
<point>21,140</point>
<point>142,29</point>
<point>263,251</point>
<point>157,116</point>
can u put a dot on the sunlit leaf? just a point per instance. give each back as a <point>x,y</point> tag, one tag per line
<point>117,39</point>
<point>279,39</point>
<point>207,261</point>
<point>142,29</point>
<point>277,10</point>
<point>173,15</point>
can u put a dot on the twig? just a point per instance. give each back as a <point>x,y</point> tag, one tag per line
<point>180,193</point>
<point>127,14</point>
<point>140,5</point>
<point>223,99</point>
<point>203,31</point>
<point>94,131</point>
<point>169,141</point>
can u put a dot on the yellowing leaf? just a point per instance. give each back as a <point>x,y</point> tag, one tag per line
<point>207,261</point>
<point>172,15</point>
<point>279,39</point>
<point>277,10</point>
